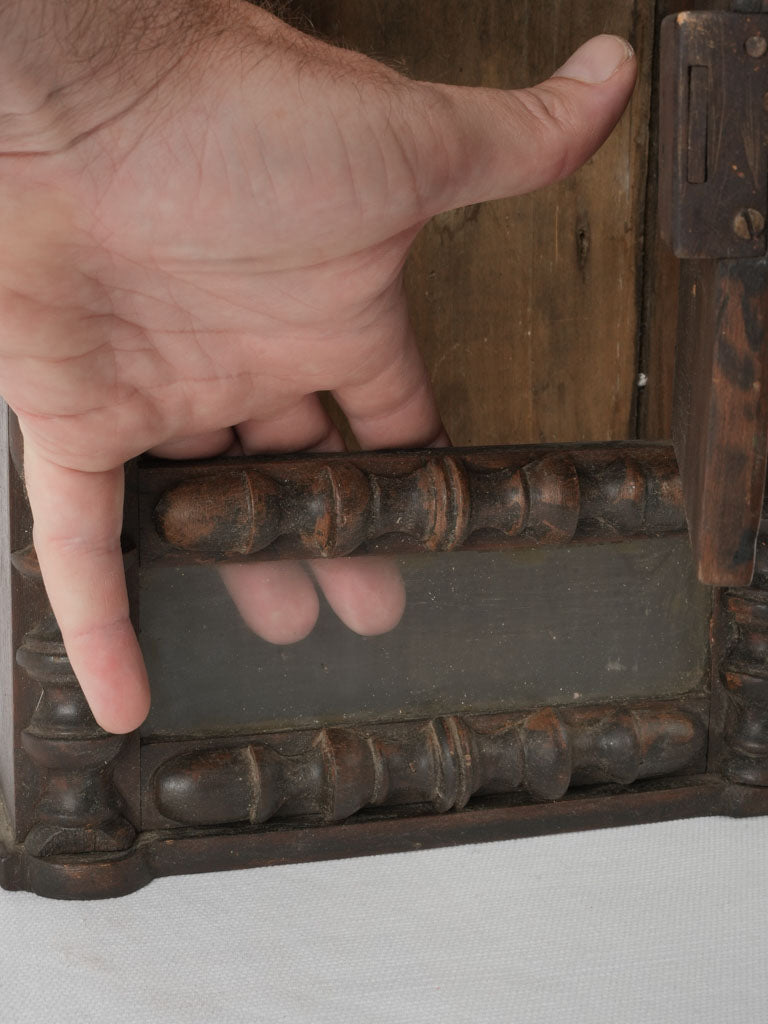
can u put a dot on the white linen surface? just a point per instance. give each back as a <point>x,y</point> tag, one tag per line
<point>642,925</point>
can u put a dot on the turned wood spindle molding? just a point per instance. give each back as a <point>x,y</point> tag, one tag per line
<point>80,810</point>
<point>744,675</point>
<point>428,766</point>
<point>326,506</point>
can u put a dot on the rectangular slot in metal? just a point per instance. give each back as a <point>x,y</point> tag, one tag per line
<point>698,101</point>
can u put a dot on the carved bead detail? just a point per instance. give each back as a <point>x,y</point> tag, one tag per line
<point>324,506</point>
<point>79,810</point>
<point>744,676</point>
<point>430,766</point>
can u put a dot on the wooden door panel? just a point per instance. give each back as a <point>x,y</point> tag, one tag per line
<point>526,309</point>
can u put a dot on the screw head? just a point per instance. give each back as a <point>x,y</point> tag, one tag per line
<point>748,224</point>
<point>756,46</point>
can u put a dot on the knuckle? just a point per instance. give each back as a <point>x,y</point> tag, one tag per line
<point>75,545</point>
<point>552,122</point>
<point>550,108</point>
<point>435,116</point>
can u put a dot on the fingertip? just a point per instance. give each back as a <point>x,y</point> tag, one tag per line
<point>288,624</point>
<point>77,518</point>
<point>378,618</point>
<point>367,594</point>
<point>512,142</point>
<point>597,60</point>
<point>277,600</point>
<point>110,669</point>
<point>123,719</point>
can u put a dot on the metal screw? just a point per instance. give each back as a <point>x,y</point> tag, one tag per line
<point>756,46</point>
<point>748,223</point>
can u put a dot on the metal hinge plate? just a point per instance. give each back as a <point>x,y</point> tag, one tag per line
<point>713,178</point>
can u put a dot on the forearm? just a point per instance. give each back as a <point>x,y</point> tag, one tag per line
<point>68,66</point>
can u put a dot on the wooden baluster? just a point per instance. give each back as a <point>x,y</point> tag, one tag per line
<point>744,676</point>
<point>80,810</point>
<point>323,507</point>
<point>430,766</point>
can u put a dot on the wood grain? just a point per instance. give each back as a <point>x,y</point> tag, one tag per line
<point>721,413</point>
<point>23,605</point>
<point>739,739</point>
<point>432,766</point>
<point>712,218</point>
<point>183,851</point>
<point>322,506</point>
<point>661,270</point>
<point>526,309</point>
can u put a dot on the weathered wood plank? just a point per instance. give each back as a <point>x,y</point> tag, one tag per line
<point>661,270</point>
<point>721,413</point>
<point>526,309</point>
<point>709,214</point>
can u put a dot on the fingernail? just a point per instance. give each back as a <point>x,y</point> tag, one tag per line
<point>596,60</point>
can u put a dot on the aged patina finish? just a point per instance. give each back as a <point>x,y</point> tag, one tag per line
<point>542,321</point>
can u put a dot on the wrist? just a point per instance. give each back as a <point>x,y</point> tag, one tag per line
<point>63,77</point>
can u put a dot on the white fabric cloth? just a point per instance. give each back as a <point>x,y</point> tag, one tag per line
<point>655,923</point>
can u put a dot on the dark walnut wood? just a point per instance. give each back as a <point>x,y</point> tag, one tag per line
<point>209,802</point>
<point>743,671</point>
<point>220,848</point>
<point>324,506</point>
<point>661,268</point>
<point>58,768</point>
<point>721,413</point>
<point>713,195</point>
<point>713,199</point>
<point>78,809</point>
<point>714,161</point>
<point>435,766</point>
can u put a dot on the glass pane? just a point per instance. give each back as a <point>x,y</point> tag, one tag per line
<point>482,631</point>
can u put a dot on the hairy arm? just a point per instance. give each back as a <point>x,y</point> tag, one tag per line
<point>67,68</point>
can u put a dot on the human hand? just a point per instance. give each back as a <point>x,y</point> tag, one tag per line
<point>183,273</point>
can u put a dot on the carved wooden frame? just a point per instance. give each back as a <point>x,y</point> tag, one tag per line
<point>84,814</point>
<point>90,815</point>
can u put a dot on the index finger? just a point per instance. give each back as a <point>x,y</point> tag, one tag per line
<point>77,523</point>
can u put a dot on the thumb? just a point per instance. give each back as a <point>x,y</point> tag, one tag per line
<point>502,143</point>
